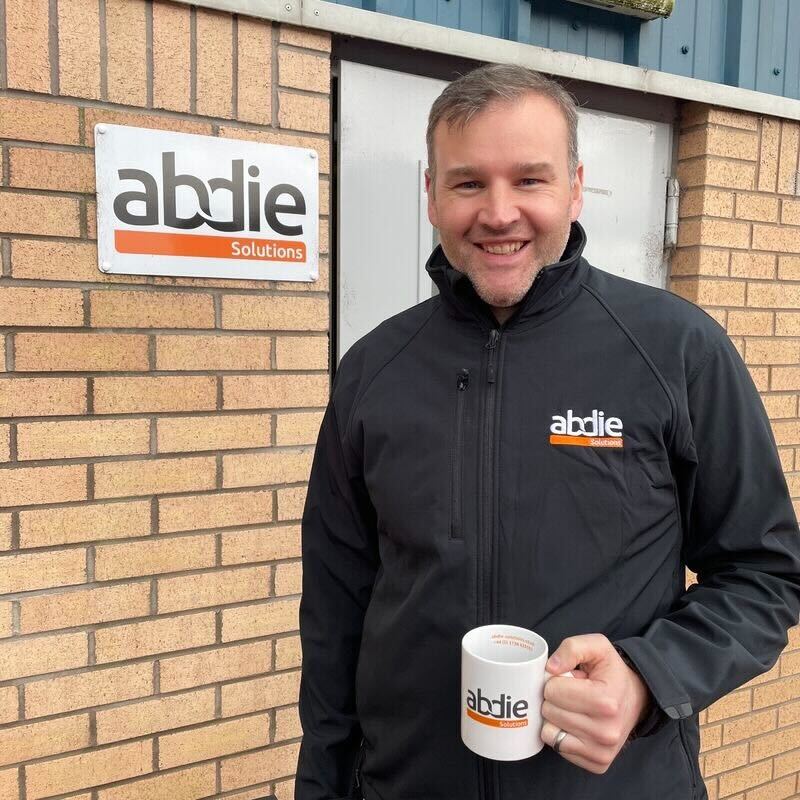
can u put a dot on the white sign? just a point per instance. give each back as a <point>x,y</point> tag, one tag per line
<point>200,206</point>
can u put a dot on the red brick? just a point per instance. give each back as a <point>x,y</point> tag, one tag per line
<point>152,716</point>
<point>255,71</point>
<point>83,523</point>
<point>126,52</point>
<point>263,765</point>
<point>214,666</point>
<point>154,394</point>
<point>95,687</point>
<point>79,48</point>
<point>163,635</point>
<point>214,63</point>
<point>259,619</point>
<point>22,486</point>
<point>94,768</point>
<point>171,56</point>
<point>73,352</point>
<point>226,509</point>
<point>27,45</point>
<point>40,739</point>
<point>40,215</point>
<point>38,121</point>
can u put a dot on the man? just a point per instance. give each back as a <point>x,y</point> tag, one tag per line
<point>544,445</point>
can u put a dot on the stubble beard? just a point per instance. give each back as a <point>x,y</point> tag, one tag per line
<point>498,299</point>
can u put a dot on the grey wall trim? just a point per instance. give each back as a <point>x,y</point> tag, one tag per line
<point>319,14</point>
<point>282,10</point>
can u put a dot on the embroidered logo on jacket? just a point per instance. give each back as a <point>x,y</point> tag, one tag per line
<point>596,430</point>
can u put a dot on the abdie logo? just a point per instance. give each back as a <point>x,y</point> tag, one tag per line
<point>246,205</point>
<point>502,712</point>
<point>595,425</point>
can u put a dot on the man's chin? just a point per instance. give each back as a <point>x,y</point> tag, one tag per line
<point>497,299</point>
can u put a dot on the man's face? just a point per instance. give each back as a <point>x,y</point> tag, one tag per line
<point>503,200</point>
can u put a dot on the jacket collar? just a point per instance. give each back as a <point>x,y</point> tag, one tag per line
<point>552,285</point>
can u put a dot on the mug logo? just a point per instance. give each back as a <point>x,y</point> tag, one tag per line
<point>596,430</point>
<point>502,712</point>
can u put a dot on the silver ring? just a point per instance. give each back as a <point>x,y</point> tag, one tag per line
<point>562,734</point>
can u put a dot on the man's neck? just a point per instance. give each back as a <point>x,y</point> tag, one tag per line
<point>502,314</point>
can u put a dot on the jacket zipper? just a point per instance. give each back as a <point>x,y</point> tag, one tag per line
<point>485,557</point>
<point>462,383</point>
<point>487,769</point>
<point>358,764</point>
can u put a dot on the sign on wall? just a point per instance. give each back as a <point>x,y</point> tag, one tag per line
<point>200,206</point>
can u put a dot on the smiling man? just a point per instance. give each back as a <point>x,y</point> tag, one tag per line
<point>501,219</point>
<point>545,445</point>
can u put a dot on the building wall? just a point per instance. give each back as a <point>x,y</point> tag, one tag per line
<point>739,258</point>
<point>155,434</point>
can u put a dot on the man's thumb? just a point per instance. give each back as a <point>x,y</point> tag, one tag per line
<point>575,651</point>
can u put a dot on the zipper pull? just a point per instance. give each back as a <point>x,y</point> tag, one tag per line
<point>462,381</point>
<point>491,346</point>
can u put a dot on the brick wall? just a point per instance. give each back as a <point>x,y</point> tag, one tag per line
<point>155,433</point>
<point>739,258</point>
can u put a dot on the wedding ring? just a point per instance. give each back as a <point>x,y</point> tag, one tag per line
<point>562,734</point>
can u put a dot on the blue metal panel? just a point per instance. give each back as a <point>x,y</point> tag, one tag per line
<point>519,20</point>
<point>448,12</point>
<point>579,29</point>
<point>558,34</point>
<point>709,41</point>
<point>471,15</point>
<point>493,15</point>
<point>771,56</point>
<point>737,42</point>
<point>792,85</point>
<point>649,54</point>
<point>426,11</point>
<point>397,8</point>
<point>677,39</point>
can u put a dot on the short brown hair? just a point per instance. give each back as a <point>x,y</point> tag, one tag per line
<point>462,99</point>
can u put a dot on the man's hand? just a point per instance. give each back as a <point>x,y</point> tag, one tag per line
<point>599,708</point>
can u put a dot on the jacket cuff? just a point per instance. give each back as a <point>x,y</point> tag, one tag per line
<point>669,699</point>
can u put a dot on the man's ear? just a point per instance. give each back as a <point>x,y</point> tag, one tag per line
<point>576,194</point>
<point>430,190</point>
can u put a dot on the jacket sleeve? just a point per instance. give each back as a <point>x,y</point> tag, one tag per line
<point>339,567</point>
<point>740,537</point>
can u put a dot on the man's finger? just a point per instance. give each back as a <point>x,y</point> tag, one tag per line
<point>573,721</point>
<point>583,696</point>
<point>587,649</point>
<point>572,748</point>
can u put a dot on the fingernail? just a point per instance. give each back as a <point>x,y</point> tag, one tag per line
<point>554,662</point>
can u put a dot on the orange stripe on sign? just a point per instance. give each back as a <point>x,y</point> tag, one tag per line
<point>587,441</point>
<point>155,243</point>
<point>497,723</point>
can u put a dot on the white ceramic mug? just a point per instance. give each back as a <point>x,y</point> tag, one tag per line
<point>502,688</point>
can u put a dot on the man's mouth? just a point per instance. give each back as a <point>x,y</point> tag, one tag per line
<point>501,248</point>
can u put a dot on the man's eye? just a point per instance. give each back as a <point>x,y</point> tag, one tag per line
<point>531,181</point>
<point>467,185</point>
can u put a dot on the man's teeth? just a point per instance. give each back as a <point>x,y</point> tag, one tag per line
<point>503,249</point>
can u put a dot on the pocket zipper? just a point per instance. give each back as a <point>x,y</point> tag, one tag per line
<point>685,749</point>
<point>462,383</point>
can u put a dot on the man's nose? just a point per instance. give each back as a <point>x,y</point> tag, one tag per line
<point>499,209</point>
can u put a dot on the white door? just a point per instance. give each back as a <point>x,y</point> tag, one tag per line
<point>384,234</point>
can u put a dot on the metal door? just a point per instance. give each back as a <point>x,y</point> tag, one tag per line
<point>383,230</point>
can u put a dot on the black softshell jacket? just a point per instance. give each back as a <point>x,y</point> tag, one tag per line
<point>438,501</point>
